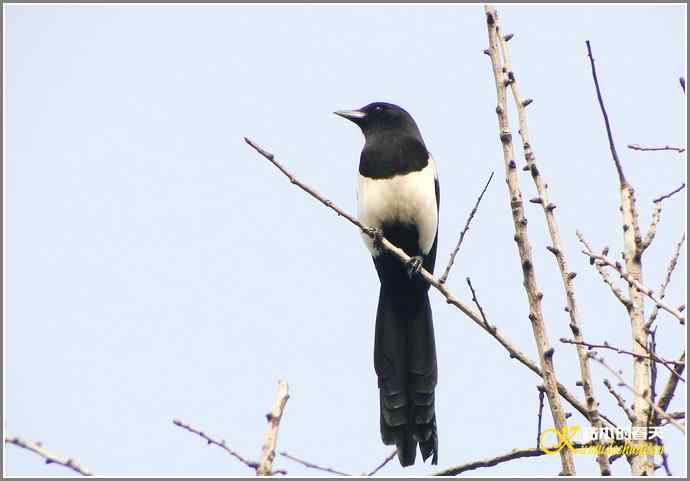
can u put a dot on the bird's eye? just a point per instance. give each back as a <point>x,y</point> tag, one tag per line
<point>378,108</point>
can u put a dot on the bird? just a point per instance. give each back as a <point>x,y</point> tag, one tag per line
<point>398,198</point>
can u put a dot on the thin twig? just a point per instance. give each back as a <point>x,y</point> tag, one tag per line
<point>268,448</point>
<point>444,277</point>
<point>674,191</point>
<point>676,414</point>
<point>658,410</point>
<point>680,150</point>
<point>486,463</point>
<point>668,363</point>
<point>212,441</point>
<point>609,134</point>
<point>383,463</point>
<point>313,466</point>
<point>651,349</point>
<point>656,217</point>
<point>476,302</point>
<point>669,272</point>
<point>654,357</point>
<point>670,388</point>
<point>637,284</point>
<point>50,458</point>
<point>450,298</point>
<point>617,292</point>
<point>620,401</point>
<point>541,410</point>
<point>664,462</point>
<point>509,456</point>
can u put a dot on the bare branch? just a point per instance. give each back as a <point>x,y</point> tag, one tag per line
<point>656,217</point>
<point>609,134</point>
<point>664,463</point>
<point>556,247</point>
<point>314,466</point>
<point>669,272</point>
<point>671,384</point>
<point>513,351</point>
<point>651,232</point>
<point>680,150</point>
<point>668,363</point>
<point>383,463</point>
<point>502,458</point>
<point>541,410</point>
<point>651,349</point>
<point>444,277</point>
<point>212,441</point>
<point>265,467</point>
<point>49,457</point>
<point>604,275</point>
<point>637,394</point>
<point>486,463</point>
<point>521,237</point>
<point>620,401</point>
<point>642,464</point>
<point>637,285</point>
<point>675,191</point>
<point>476,303</point>
<point>677,414</point>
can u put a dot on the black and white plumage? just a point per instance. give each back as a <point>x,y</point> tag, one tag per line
<point>398,194</point>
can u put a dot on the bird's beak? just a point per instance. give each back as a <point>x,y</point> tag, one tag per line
<point>353,115</point>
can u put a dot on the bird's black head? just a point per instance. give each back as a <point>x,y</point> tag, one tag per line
<point>381,117</point>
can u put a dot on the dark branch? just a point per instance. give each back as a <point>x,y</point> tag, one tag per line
<point>680,150</point>
<point>541,411</point>
<point>666,196</point>
<point>612,146</point>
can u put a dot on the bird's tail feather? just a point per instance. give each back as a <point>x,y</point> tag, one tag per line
<point>405,362</point>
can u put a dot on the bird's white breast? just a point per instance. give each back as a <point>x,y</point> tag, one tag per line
<point>409,198</point>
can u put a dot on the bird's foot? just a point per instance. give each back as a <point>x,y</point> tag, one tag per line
<point>414,265</point>
<point>377,237</point>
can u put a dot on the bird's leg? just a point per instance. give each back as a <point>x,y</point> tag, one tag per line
<point>414,265</point>
<point>377,237</point>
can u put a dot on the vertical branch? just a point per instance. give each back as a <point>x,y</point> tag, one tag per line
<point>525,251</point>
<point>268,450</point>
<point>642,464</point>
<point>671,384</point>
<point>541,410</point>
<point>555,248</point>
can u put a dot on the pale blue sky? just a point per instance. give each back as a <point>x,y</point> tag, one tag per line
<point>157,267</point>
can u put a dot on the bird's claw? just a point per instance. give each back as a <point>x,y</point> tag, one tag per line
<point>414,265</point>
<point>376,236</point>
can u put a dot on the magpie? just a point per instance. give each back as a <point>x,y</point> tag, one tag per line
<point>398,197</point>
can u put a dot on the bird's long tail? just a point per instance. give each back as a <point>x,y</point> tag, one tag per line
<point>405,363</point>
